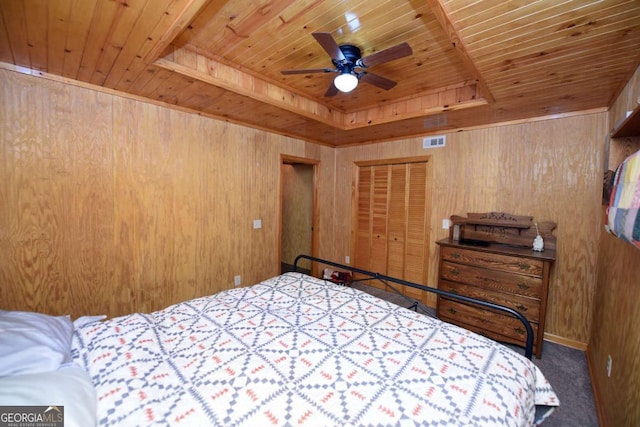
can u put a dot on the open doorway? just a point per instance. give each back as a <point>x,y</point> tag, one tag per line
<point>298,212</point>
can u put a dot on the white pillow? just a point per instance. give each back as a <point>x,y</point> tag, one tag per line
<point>33,342</point>
<point>70,387</point>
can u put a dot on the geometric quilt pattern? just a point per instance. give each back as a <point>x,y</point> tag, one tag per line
<point>299,351</point>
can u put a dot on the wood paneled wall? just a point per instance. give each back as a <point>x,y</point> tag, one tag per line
<point>110,205</point>
<point>550,169</point>
<point>616,313</point>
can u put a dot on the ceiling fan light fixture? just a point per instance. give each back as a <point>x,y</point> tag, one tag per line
<point>346,82</point>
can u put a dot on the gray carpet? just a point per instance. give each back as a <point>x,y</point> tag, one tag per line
<point>565,368</point>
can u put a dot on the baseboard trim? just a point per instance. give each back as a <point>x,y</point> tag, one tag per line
<point>565,341</point>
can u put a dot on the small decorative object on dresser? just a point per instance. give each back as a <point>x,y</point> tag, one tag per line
<point>538,242</point>
<point>494,260</point>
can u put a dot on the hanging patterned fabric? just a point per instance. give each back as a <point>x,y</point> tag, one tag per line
<point>623,220</point>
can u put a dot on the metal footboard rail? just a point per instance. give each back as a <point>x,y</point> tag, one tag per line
<point>529,341</point>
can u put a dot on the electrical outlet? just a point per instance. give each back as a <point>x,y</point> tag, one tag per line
<point>347,259</point>
<point>446,224</point>
<point>609,363</point>
<point>237,280</point>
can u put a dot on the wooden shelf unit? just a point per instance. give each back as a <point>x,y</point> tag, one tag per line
<point>630,126</point>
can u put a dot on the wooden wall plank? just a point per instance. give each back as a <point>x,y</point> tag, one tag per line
<point>549,169</point>
<point>175,184</point>
<point>615,335</point>
<point>112,205</point>
<point>616,312</point>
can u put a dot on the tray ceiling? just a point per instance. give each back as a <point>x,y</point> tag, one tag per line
<point>474,62</point>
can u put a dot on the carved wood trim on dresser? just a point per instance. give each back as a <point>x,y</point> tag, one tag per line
<point>492,259</point>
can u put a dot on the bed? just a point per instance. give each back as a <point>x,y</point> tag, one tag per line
<point>297,350</point>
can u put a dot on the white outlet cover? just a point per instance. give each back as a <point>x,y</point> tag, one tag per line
<point>237,280</point>
<point>257,223</point>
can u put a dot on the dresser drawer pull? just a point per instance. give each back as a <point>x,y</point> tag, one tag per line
<point>452,310</point>
<point>523,285</point>
<point>454,272</point>
<point>521,307</point>
<point>519,330</point>
<point>455,255</point>
<point>524,266</point>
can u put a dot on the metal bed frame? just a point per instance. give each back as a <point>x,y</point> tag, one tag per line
<point>528,349</point>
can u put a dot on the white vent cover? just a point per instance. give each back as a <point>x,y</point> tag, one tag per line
<point>434,141</point>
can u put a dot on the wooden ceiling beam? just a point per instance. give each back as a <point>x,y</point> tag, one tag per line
<point>426,104</point>
<point>449,28</point>
<point>190,10</point>
<point>197,66</point>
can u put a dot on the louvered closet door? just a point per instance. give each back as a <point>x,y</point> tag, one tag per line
<point>417,247</point>
<point>392,217</point>
<point>371,233</point>
<point>379,215</point>
<point>362,253</point>
<point>397,221</point>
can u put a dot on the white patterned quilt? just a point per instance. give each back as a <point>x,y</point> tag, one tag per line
<point>299,351</point>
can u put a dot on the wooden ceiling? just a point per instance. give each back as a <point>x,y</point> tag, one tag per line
<point>474,62</point>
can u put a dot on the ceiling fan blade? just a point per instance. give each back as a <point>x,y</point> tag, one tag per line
<point>330,46</point>
<point>332,91</point>
<point>308,71</point>
<point>376,80</point>
<point>386,55</point>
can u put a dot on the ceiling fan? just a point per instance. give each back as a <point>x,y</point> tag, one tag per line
<point>350,65</point>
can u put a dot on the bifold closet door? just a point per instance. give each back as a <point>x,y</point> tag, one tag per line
<point>392,218</point>
<point>371,233</point>
<point>417,238</point>
<point>397,221</point>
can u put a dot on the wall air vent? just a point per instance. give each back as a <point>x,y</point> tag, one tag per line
<point>434,141</point>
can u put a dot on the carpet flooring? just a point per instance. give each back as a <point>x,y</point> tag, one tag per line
<point>565,368</point>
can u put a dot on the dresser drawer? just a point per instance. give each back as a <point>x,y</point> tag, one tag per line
<point>486,322</point>
<point>529,307</point>
<point>493,261</point>
<point>501,281</point>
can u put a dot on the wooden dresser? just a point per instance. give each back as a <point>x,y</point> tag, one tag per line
<point>498,265</point>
